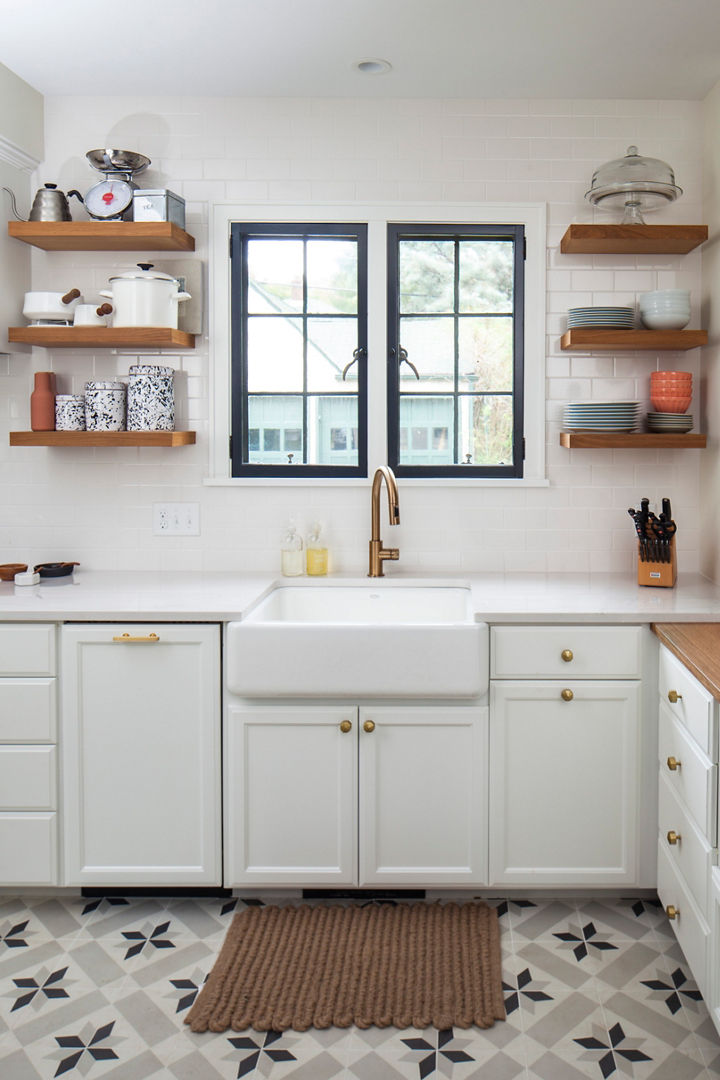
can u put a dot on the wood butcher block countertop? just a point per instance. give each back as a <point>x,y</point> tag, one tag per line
<point>697,646</point>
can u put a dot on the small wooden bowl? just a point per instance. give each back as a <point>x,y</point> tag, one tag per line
<point>10,569</point>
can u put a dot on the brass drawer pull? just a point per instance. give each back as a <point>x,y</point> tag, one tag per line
<point>567,695</point>
<point>674,697</point>
<point>673,837</point>
<point>128,639</point>
<point>345,726</point>
<point>673,764</point>
<point>566,655</point>
<point>671,911</point>
<point>369,726</point>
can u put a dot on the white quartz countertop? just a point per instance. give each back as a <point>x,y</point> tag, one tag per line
<point>96,595</point>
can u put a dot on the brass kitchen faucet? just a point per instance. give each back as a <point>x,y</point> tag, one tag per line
<point>377,552</point>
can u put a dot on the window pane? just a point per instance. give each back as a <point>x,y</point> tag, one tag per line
<point>274,429</point>
<point>426,426</point>
<point>486,275</point>
<point>486,429</point>
<point>486,354</point>
<point>331,422</point>
<point>332,276</point>
<point>275,354</point>
<point>429,344</point>
<point>427,275</point>
<point>275,275</point>
<point>330,348</point>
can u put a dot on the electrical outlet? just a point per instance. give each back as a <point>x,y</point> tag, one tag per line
<point>176,519</point>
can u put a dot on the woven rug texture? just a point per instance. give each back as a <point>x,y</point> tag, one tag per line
<point>403,965</point>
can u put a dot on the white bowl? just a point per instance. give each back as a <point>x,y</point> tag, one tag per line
<point>666,294</point>
<point>656,320</point>
<point>664,304</point>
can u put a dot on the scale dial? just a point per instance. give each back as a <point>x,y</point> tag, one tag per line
<point>109,198</point>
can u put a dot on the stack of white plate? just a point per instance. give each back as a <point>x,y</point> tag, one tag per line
<point>670,423</point>
<point>601,415</point>
<point>605,318</point>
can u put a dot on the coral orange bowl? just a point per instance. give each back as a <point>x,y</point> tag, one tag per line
<point>673,403</point>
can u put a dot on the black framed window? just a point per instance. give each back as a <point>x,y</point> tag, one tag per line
<point>455,349</point>
<point>299,349</point>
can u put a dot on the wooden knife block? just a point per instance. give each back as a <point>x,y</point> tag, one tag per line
<point>662,574</point>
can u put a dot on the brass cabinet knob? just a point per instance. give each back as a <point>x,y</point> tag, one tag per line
<point>566,655</point>
<point>673,764</point>
<point>567,695</point>
<point>673,837</point>
<point>674,697</point>
<point>345,726</point>
<point>671,911</point>
<point>369,726</point>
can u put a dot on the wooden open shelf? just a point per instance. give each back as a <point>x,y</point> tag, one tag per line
<point>632,239</point>
<point>631,440</point>
<point>102,438</point>
<point>102,235</point>
<point>102,337</point>
<point>675,340</point>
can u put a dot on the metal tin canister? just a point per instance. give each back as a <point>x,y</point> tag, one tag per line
<point>105,404</point>
<point>158,204</point>
<point>151,398</point>
<point>70,412</point>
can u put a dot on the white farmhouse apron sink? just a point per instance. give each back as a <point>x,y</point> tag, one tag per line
<point>367,639</point>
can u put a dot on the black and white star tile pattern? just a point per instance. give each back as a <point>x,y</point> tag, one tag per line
<point>98,988</point>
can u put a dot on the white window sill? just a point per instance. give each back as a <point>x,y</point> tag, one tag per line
<point>432,482</point>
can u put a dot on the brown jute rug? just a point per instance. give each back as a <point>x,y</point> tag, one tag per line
<point>406,965</point>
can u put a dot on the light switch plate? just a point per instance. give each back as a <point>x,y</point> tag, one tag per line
<point>176,519</point>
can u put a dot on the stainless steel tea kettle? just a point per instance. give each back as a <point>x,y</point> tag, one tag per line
<point>49,204</point>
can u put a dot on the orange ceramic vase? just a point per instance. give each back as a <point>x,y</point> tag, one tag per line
<point>42,402</point>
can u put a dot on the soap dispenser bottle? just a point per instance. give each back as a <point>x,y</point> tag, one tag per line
<point>291,552</point>
<point>317,552</point>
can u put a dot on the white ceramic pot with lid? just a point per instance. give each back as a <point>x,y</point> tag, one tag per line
<point>145,297</point>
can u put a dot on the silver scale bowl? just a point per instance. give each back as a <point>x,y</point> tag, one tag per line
<point>635,182</point>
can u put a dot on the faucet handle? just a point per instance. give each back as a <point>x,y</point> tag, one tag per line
<point>390,553</point>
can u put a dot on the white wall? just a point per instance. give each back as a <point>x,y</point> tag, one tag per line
<point>21,148</point>
<point>96,505</point>
<point>710,467</point>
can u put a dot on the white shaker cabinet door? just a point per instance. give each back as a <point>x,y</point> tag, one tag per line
<point>423,795</point>
<point>291,795</point>
<point>141,754</point>
<point>564,782</point>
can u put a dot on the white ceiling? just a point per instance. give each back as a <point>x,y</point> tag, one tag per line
<point>438,48</point>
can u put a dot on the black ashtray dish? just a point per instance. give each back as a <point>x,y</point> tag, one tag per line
<point>55,569</point>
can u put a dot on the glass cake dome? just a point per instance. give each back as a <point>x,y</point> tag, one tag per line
<point>635,182</point>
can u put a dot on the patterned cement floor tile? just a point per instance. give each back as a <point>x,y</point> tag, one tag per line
<point>535,920</point>
<point>568,1018</point>
<point>554,963</point>
<point>634,920</point>
<point>99,987</point>
<point>631,963</point>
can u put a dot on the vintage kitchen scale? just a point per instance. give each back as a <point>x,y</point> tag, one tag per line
<point>112,198</point>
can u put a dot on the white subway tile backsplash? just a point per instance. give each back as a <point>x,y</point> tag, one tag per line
<point>286,150</point>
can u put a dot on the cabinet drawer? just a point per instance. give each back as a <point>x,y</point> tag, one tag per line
<point>691,854</point>
<point>695,708</point>
<point>29,849</point>
<point>694,779</point>
<point>27,710</point>
<point>690,926</point>
<point>577,652</point>
<point>27,649</point>
<point>27,778</point>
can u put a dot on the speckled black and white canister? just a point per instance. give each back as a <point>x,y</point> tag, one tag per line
<point>70,412</point>
<point>105,406</point>
<point>151,398</point>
